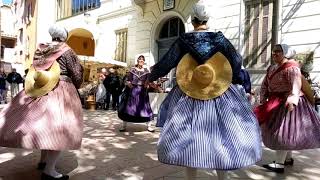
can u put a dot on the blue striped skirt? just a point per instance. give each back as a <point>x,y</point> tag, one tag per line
<point>220,133</point>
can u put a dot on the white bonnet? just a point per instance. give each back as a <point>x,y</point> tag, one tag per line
<point>59,32</point>
<point>200,11</point>
<point>288,52</point>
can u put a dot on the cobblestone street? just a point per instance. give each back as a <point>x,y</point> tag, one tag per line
<point>107,154</point>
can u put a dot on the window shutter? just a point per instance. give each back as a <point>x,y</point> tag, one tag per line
<point>258,33</point>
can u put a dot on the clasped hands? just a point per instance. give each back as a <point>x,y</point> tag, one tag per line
<point>147,84</point>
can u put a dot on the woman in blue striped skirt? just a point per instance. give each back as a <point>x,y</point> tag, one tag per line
<point>207,121</point>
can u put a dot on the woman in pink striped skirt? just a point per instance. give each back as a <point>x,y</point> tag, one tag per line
<point>289,121</point>
<point>52,122</point>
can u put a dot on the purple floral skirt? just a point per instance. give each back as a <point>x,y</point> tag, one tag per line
<point>135,106</point>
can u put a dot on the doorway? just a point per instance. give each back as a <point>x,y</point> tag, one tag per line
<point>169,33</point>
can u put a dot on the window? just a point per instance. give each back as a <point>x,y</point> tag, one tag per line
<point>121,45</point>
<point>172,28</point>
<point>259,35</point>
<point>80,6</point>
<point>7,2</point>
<point>67,8</point>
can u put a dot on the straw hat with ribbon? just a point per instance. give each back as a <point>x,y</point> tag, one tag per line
<point>205,81</point>
<point>44,74</point>
<point>39,83</point>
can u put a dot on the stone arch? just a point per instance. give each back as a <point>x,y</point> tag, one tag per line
<point>81,41</point>
<point>156,28</point>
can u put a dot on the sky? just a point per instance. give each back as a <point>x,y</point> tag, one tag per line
<point>6,1</point>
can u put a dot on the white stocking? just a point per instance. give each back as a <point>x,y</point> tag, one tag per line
<point>124,125</point>
<point>50,169</point>
<point>289,155</point>
<point>43,156</point>
<point>191,173</point>
<point>281,156</point>
<point>149,124</point>
<point>222,175</point>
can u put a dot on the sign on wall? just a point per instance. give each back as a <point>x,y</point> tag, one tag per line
<point>168,4</point>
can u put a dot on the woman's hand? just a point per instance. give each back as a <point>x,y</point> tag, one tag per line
<point>129,84</point>
<point>290,106</point>
<point>146,84</point>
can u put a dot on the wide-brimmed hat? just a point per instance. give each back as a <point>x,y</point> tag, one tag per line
<point>205,81</point>
<point>41,82</point>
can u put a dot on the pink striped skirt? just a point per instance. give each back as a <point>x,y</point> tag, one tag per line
<point>51,122</point>
<point>295,130</point>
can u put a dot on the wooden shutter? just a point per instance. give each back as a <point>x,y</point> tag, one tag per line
<point>258,33</point>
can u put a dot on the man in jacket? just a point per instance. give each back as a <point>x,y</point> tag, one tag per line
<point>112,85</point>
<point>14,79</point>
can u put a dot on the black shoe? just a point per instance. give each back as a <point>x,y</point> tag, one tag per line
<point>150,129</point>
<point>289,162</point>
<point>47,177</point>
<point>41,165</point>
<point>274,169</point>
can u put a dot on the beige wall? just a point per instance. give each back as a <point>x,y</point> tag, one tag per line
<point>298,25</point>
<point>7,22</point>
<point>31,30</point>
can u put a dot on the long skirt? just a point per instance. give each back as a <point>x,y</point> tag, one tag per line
<point>135,106</point>
<point>295,130</point>
<point>221,133</point>
<point>50,122</point>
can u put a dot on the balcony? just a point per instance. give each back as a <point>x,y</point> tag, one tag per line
<point>8,35</point>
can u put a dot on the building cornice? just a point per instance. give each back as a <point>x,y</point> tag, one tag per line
<point>117,13</point>
<point>10,36</point>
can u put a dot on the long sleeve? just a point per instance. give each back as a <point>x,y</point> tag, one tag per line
<point>74,68</point>
<point>245,80</point>
<point>129,76</point>
<point>294,78</point>
<point>9,78</point>
<point>234,58</point>
<point>169,61</point>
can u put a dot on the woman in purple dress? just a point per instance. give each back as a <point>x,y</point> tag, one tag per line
<point>135,106</point>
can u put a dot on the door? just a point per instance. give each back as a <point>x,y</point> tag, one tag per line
<point>169,33</point>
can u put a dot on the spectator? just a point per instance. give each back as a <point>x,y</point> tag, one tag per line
<point>112,85</point>
<point>3,88</point>
<point>14,79</point>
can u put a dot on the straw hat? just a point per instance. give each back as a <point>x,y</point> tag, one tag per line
<point>205,81</point>
<point>40,82</point>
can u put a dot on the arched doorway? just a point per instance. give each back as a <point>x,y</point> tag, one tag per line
<point>81,41</point>
<point>83,44</point>
<point>169,33</point>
